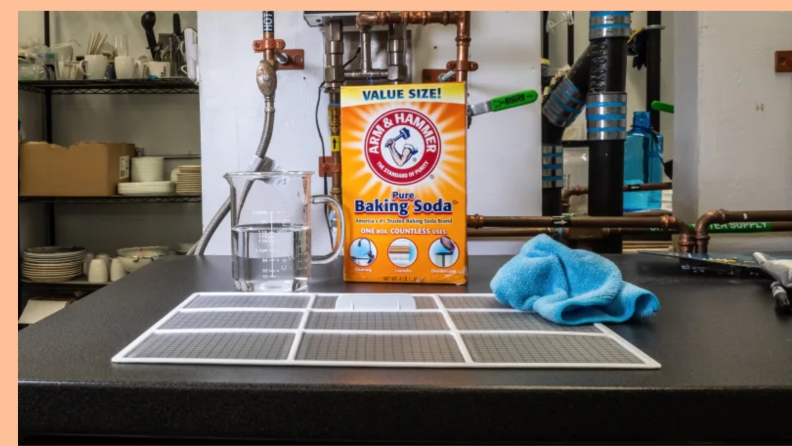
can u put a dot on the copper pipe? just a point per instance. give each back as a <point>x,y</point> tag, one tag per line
<point>334,118</point>
<point>783,226</point>
<point>479,221</point>
<point>459,18</point>
<point>664,222</point>
<point>648,214</point>
<point>574,191</point>
<point>463,45</point>
<point>723,216</point>
<point>510,232</point>
<point>270,54</point>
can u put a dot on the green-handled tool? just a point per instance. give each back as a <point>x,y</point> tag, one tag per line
<point>502,103</point>
<point>662,107</point>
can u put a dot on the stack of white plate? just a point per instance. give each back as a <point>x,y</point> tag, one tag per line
<point>146,169</point>
<point>151,188</point>
<point>188,180</point>
<point>52,263</point>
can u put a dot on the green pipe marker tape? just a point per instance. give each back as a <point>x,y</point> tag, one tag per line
<point>662,107</point>
<point>514,100</point>
<point>739,227</point>
<point>730,228</point>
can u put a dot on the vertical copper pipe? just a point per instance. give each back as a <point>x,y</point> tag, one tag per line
<point>463,44</point>
<point>268,25</point>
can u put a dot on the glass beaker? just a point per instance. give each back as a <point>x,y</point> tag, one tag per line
<point>271,230</point>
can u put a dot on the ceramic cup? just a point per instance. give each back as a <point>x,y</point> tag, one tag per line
<point>125,67</point>
<point>94,66</point>
<point>140,67</point>
<point>106,259</point>
<point>97,272</point>
<point>159,70</point>
<point>87,262</point>
<point>63,51</point>
<point>117,271</point>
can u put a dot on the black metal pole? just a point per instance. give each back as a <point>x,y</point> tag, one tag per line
<point>653,64</point>
<point>545,35</point>
<point>48,136</point>
<point>571,41</point>
<point>47,93</point>
<point>606,116</point>
<point>47,28</point>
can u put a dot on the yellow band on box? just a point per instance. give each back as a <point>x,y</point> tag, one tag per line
<point>404,183</point>
<point>450,93</point>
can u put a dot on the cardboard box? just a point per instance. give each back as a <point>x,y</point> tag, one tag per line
<point>404,183</point>
<point>85,169</point>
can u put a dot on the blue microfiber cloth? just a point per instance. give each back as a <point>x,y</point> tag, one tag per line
<point>569,286</point>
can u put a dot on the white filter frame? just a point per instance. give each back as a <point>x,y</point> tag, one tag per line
<point>291,360</point>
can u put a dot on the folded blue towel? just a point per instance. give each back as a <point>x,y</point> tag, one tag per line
<point>569,286</point>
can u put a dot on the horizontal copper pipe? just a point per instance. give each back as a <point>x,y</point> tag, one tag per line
<point>782,226</point>
<point>665,222</point>
<point>480,221</point>
<point>574,191</point>
<point>723,216</point>
<point>510,232</point>
<point>531,232</point>
<point>647,214</point>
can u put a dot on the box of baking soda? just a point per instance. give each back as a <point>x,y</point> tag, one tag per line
<point>404,183</point>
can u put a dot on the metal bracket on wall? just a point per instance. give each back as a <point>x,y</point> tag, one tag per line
<point>783,62</point>
<point>296,60</point>
<point>291,59</point>
<point>327,167</point>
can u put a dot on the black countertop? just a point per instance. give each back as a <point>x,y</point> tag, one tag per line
<point>726,373</point>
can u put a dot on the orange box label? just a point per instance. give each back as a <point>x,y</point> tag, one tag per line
<point>404,183</point>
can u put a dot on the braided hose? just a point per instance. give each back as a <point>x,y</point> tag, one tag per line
<point>267,81</point>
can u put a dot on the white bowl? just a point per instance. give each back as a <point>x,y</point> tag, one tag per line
<point>135,258</point>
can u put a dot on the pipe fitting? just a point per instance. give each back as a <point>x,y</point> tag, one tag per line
<point>701,235</point>
<point>552,166</point>
<point>475,221</point>
<point>564,105</point>
<point>607,24</point>
<point>266,78</point>
<point>334,55</point>
<point>606,116</point>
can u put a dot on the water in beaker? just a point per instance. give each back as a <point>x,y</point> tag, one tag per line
<point>271,230</point>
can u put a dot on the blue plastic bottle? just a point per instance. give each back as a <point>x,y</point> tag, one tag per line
<point>643,163</point>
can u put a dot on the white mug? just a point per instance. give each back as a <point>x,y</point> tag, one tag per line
<point>189,49</point>
<point>105,258</point>
<point>117,271</point>
<point>87,262</point>
<point>97,272</point>
<point>159,70</point>
<point>125,67</point>
<point>96,66</point>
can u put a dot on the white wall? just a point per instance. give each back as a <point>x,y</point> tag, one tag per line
<point>163,125</point>
<point>503,149</point>
<point>733,118</point>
